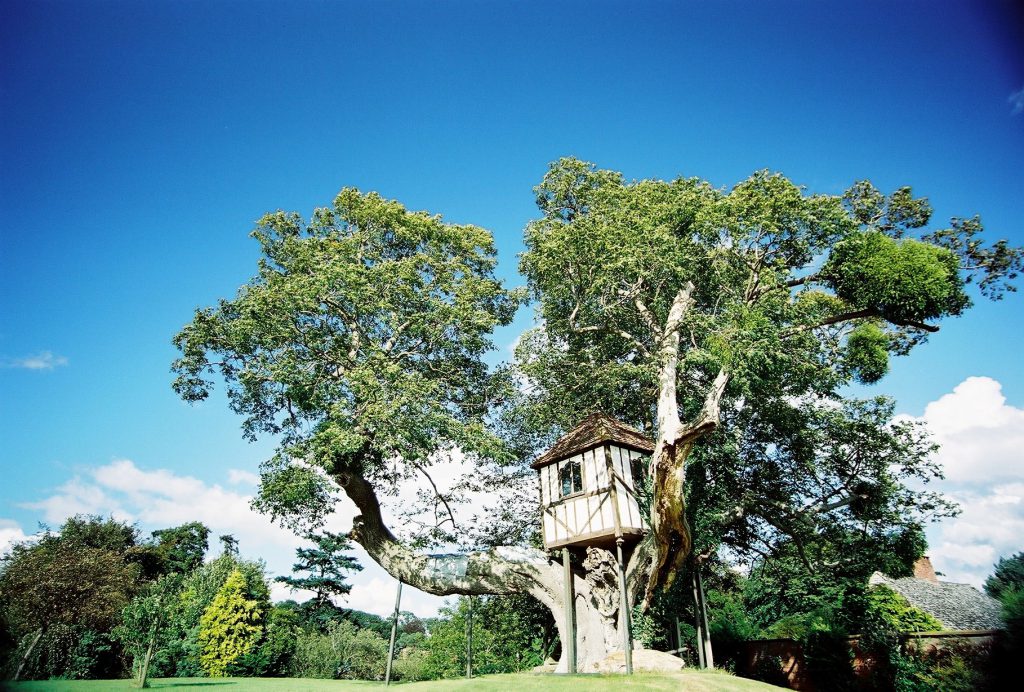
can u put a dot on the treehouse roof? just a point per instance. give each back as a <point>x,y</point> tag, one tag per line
<point>594,430</point>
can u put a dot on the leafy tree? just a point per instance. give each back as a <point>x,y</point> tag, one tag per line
<point>183,547</point>
<point>508,637</point>
<point>273,657</point>
<point>341,652</point>
<point>682,309</point>
<point>199,588</point>
<point>1008,576</point>
<point>326,566</point>
<point>230,627</point>
<point>143,629</point>
<point>77,580</point>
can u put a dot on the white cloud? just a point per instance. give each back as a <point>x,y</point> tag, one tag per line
<point>10,533</point>
<point>240,477</point>
<point>982,437</point>
<point>44,360</point>
<point>1017,101</point>
<point>161,498</point>
<point>982,454</point>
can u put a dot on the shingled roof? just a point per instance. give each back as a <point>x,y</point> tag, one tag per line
<point>594,430</point>
<point>957,606</point>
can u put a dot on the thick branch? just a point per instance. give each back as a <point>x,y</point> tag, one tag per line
<point>501,570</point>
<point>856,315</point>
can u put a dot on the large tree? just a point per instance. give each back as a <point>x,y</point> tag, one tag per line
<point>672,305</point>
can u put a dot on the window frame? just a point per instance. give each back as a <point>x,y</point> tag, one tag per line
<point>566,468</point>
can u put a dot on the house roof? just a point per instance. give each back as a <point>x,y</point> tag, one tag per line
<point>957,606</point>
<point>594,430</point>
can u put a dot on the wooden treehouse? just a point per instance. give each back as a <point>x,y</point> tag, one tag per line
<point>587,487</point>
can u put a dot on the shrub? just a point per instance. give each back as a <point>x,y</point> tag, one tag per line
<point>343,652</point>
<point>230,628</point>
<point>897,612</point>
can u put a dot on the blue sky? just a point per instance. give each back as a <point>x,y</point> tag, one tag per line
<point>139,141</point>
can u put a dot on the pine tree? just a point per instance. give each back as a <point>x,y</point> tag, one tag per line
<point>230,627</point>
<point>325,564</point>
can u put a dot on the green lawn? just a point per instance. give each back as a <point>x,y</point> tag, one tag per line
<point>524,682</point>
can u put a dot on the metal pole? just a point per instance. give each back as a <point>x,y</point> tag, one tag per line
<point>697,614</point>
<point>626,620</point>
<point>469,640</point>
<point>706,644</point>
<point>394,633</point>
<point>570,615</point>
<point>679,638</point>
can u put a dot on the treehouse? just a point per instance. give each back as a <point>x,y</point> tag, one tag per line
<point>587,487</point>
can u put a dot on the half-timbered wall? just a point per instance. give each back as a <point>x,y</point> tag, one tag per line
<point>589,513</point>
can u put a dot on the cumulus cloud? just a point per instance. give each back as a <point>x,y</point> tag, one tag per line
<point>10,533</point>
<point>982,437</point>
<point>159,498</point>
<point>982,453</point>
<point>44,360</point>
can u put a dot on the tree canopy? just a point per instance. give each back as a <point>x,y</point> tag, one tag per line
<point>675,305</point>
<point>724,323</point>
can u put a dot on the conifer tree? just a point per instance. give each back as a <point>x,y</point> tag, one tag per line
<point>230,628</point>
<point>325,565</point>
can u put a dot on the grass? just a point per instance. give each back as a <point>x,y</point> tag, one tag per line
<point>691,680</point>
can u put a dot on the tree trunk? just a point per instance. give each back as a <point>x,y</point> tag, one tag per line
<point>28,652</point>
<point>501,570</point>
<point>144,674</point>
<point>652,565</point>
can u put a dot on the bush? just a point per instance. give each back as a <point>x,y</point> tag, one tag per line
<point>343,652</point>
<point>411,665</point>
<point>70,653</point>
<point>897,612</point>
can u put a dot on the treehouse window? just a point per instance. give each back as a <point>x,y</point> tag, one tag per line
<point>571,478</point>
<point>638,467</point>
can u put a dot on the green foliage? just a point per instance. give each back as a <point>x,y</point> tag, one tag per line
<point>69,652</point>
<point>359,341</point>
<point>794,296</point>
<point>183,547</point>
<point>867,352</point>
<point>901,280</point>
<point>1013,616</point>
<point>510,633</point>
<point>326,566</point>
<point>198,591</point>
<point>898,614</point>
<point>230,627</point>
<point>342,652</point>
<point>1008,576</point>
<point>273,657</point>
<point>81,579</point>
<point>145,621</point>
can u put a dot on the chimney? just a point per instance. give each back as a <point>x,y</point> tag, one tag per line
<point>923,570</point>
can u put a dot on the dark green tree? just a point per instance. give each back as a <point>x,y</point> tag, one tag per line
<point>183,547</point>
<point>1008,576</point>
<point>71,584</point>
<point>325,565</point>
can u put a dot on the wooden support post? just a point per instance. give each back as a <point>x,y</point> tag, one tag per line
<point>625,621</point>
<point>469,640</point>
<point>709,658</point>
<point>697,616</point>
<point>394,634</point>
<point>570,615</point>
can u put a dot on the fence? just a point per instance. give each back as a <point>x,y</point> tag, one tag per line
<point>786,656</point>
